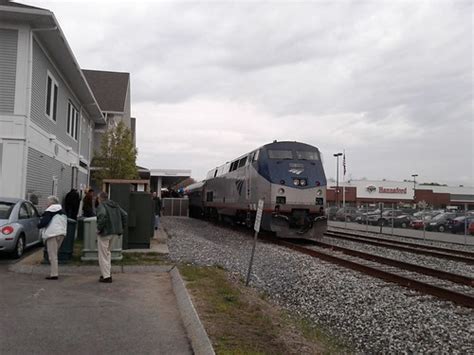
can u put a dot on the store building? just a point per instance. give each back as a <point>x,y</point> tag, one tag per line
<point>361,192</point>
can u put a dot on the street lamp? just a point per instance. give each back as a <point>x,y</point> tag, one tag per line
<point>414,186</point>
<point>337,155</point>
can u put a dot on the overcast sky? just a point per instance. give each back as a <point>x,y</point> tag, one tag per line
<point>391,82</point>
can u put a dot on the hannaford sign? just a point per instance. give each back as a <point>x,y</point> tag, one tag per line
<point>392,190</point>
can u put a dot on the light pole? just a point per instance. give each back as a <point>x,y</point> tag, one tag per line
<point>337,155</point>
<point>414,186</point>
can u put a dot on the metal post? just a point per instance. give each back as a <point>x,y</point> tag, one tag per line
<point>393,219</point>
<point>172,206</point>
<point>367,220</point>
<point>251,258</point>
<point>423,219</point>
<point>465,224</point>
<point>381,212</point>
<point>337,155</point>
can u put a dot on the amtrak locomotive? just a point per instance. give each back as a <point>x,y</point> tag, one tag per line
<point>288,176</point>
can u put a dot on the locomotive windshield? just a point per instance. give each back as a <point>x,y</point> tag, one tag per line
<point>280,154</point>
<point>305,155</point>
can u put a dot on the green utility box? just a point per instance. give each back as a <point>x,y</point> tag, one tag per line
<point>140,220</point>
<point>139,207</point>
<point>67,246</point>
<point>89,251</point>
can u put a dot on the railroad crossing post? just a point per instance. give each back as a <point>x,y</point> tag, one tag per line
<point>256,227</point>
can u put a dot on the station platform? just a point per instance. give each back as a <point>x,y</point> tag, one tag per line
<point>146,310</point>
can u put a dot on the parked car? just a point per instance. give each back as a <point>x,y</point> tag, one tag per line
<point>18,226</point>
<point>422,217</point>
<point>331,212</point>
<point>386,218</point>
<point>347,214</point>
<point>402,221</point>
<point>459,224</point>
<point>363,215</point>
<point>471,228</point>
<point>440,222</point>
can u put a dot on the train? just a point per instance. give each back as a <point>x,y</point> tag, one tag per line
<point>288,176</point>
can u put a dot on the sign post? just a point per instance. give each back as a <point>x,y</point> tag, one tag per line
<point>256,227</point>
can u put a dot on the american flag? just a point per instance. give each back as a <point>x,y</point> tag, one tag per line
<point>344,163</point>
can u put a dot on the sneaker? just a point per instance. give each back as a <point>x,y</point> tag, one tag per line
<point>107,280</point>
<point>51,277</point>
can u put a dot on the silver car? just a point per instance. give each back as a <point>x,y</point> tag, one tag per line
<point>18,226</point>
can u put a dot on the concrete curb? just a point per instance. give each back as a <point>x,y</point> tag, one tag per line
<point>200,342</point>
<point>87,269</point>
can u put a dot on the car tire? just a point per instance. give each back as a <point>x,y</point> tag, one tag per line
<point>441,228</point>
<point>19,247</point>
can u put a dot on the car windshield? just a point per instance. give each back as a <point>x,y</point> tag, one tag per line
<point>439,217</point>
<point>280,154</point>
<point>305,155</point>
<point>6,209</point>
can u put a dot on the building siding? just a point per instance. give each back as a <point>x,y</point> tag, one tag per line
<point>8,59</point>
<point>41,66</point>
<point>41,169</point>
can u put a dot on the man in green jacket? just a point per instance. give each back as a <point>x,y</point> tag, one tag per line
<point>111,220</point>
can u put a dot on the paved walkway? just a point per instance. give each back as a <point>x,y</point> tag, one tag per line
<point>136,314</point>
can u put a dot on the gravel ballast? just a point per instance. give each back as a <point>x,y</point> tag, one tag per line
<point>368,313</point>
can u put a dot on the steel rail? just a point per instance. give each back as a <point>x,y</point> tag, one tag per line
<point>414,245</point>
<point>388,244</point>
<point>456,278</point>
<point>440,292</point>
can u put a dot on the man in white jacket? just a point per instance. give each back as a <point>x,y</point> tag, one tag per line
<point>54,222</point>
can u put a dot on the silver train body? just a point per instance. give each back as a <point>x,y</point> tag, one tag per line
<point>288,176</point>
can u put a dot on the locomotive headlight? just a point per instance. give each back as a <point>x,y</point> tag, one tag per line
<point>281,191</point>
<point>319,192</point>
<point>296,182</point>
<point>302,182</point>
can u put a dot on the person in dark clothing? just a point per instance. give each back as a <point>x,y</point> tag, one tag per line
<point>88,204</point>
<point>111,221</point>
<point>71,203</point>
<point>157,209</point>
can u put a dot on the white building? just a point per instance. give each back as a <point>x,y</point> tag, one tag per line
<point>47,109</point>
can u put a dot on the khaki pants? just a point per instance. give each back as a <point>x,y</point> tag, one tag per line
<point>53,244</point>
<point>104,246</point>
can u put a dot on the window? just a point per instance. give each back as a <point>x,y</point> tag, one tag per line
<point>6,209</point>
<point>305,155</point>
<point>234,165</point>
<point>51,97</point>
<point>280,154</point>
<point>32,210</point>
<point>242,162</point>
<point>23,212</point>
<point>72,120</point>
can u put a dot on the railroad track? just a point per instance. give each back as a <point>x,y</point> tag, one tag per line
<point>455,288</point>
<point>443,253</point>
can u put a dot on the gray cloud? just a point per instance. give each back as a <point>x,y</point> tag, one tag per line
<point>391,82</point>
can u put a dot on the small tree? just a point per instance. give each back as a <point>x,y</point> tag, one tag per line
<point>117,156</point>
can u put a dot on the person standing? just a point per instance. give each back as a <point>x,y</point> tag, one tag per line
<point>71,203</point>
<point>157,209</point>
<point>111,220</point>
<point>54,222</point>
<point>88,204</point>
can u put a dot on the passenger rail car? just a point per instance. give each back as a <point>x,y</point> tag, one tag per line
<point>289,176</point>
